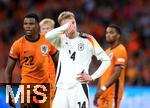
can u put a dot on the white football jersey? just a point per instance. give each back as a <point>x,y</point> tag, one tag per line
<point>74,57</point>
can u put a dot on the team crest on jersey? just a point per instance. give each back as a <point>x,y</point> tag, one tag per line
<point>110,55</point>
<point>81,47</point>
<point>44,49</point>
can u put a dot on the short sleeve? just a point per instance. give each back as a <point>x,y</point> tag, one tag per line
<point>14,51</point>
<point>121,57</point>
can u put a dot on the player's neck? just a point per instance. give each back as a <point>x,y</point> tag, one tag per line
<point>74,35</point>
<point>32,38</point>
<point>113,45</point>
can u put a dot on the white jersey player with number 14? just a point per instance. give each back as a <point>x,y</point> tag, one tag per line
<point>75,55</point>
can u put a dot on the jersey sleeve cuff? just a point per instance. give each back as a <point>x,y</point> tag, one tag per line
<point>121,65</point>
<point>93,77</point>
<point>15,59</point>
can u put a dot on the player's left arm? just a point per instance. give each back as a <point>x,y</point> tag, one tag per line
<point>102,56</point>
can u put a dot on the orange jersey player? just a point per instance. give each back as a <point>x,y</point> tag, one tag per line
<point>35,59</point>
<point>34,53</point>
<point>111,84</point>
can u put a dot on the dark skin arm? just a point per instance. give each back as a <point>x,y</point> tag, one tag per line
<point>9,69</point>
<point>112,80</point>
<point>8,76</point>
<point>95,101</point>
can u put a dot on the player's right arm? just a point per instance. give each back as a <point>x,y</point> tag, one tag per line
<point>8,78</point>
<point>12,59</point>
<point>55,33</point>
<point>9,69</point>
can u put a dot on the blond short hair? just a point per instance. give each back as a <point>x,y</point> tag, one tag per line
<point>47,20</point>
<point>65,15</point>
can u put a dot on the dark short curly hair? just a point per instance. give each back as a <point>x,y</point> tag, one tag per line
<point>32,15</point>
<point>116,27</point>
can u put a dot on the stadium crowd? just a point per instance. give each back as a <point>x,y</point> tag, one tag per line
<point>92,17</point>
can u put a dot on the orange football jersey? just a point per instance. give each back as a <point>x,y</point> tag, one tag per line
<point>118,56</point>
<point>35,59</point>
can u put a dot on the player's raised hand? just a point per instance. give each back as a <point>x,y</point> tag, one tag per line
<point>71,29</point>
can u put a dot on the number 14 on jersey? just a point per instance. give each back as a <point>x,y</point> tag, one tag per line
<point>73,55</point>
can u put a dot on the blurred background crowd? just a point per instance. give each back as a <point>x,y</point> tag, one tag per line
<point>133,16</point>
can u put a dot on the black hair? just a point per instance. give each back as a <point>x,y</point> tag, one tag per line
<point>116,27</point>
<point>32,15</point>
